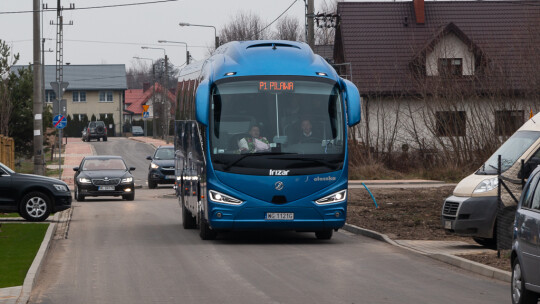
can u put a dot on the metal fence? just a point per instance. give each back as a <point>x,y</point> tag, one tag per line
<point>509,192</point>
<point>7,151</point>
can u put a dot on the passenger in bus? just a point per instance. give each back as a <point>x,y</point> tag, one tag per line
<point>254,142</point>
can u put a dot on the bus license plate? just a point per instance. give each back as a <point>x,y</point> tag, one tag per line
<point>106,188</point>
<point>280,216</point>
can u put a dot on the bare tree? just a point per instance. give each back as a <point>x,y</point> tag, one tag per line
<point>243,26</point>
<point>324,31</point>
<point>6,104</point>
<point>288,28</point>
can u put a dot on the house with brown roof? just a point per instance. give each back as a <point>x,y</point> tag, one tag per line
<point>153,96</point>
<point>452,76</point>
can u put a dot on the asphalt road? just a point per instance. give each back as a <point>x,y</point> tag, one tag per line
<point>137,252</point>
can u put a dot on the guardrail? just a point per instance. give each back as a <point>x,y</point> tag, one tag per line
<point>7,151</point>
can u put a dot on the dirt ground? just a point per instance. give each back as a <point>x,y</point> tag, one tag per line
<point>410,214</point>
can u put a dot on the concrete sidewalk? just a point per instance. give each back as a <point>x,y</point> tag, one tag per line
<point>445,251</point>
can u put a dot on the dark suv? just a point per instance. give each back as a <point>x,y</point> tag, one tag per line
<point>161,169</point>
<point>96,130</point>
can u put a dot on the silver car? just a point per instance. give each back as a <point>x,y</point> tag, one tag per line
<point>526,244</point>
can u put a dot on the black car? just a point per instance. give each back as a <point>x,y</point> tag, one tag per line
<point>34,197</point>
<point>104,176</point>
<point>96,130</point>
<point>161,169</point>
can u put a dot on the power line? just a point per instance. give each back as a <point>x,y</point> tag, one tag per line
<point>273,21</point>
<point>91,7</point>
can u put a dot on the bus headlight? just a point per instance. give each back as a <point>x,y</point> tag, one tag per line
<point>223,198</point>
<point>337,197</point>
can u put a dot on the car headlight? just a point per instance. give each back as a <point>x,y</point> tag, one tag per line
<point>487,185</point>
<point>154,166</point>
<point>127,180</point>
<point>223,198</point>
<point>337,197</point>
<point>84,180</point>
<point>61,188</point>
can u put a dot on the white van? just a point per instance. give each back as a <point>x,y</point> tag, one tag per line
<point>472,209</point>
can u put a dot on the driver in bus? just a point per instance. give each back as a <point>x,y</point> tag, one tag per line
<point>307,135</point>
<point>254,142</point>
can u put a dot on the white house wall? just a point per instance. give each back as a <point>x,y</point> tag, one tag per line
<point>450,46</point>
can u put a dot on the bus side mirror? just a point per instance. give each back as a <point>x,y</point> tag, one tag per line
<point>352,97</point>
<point>202,102</point>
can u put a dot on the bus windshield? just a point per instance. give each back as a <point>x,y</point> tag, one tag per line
<point>286,123</point>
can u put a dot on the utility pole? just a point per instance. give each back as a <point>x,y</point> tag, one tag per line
<point>310,14</point>
<point>165,90</point>
<point>39,167</point>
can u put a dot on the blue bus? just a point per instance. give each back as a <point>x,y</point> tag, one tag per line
<point>262,140</point>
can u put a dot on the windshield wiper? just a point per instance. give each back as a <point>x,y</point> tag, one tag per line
<point>317,160</point>
<point>226,168</point>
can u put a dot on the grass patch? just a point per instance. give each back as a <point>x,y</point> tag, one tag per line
<point>9,214</point>
<point>19,243</point>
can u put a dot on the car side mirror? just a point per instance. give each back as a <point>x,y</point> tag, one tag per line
<point>75,169</point>
<point>131,168</point>
<point>149,157</point>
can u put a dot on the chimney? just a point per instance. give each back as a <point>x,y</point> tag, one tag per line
<point>419,11</point>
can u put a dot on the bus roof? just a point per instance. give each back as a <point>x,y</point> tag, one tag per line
<point>267,57</point>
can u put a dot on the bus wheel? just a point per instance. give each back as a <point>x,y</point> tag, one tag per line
<point>188,220</point>
<point>205,232</point>
<point>324,234</point>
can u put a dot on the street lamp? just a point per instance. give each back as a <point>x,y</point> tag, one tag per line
<point>201,25</point>
<point>165,90</point>
<point>180,42</point>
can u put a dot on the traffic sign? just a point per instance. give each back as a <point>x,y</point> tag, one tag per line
<point>145,108</point>
<point>59,87</point>
<point>59,107</point>
<point>59,121</point>
<point>146,114</point>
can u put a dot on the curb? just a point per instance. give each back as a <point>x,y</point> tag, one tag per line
<point>35,268</point>
<point>453,260</point>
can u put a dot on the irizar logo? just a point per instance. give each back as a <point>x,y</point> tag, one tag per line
<point>279,172</point>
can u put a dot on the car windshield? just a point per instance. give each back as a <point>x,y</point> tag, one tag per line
<point>164,153</point>
<point>104,164</point>
<point>137,129</point>
<point>284,122</point>
<point>510,152</point>
<point>6,168</point>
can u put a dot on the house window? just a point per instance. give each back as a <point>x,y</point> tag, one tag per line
<point>450,66</point>
<point>80,116</point>
<point>79,96</point>
<point>50,96</point>
<point>105,96</point>
<point>451,123</point>
<point>103,116</point>
<point>507,122</point>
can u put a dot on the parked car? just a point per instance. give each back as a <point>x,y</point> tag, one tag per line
<point>525,256</point>
<point>472,208</point>
<point>137,131</point>
<point>104,176</point>
<point>34,197</point>
<point>161,169</point>
<point>96,130</point>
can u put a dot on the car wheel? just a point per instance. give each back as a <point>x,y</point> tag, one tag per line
<point>129,197</point>
<point>152,185</point>
<point>488,243</point>
<point>520,295</point>
<point>35,207</point>
<point>205,232</point>
<point>188,220</point>
<point>78,196</point>
<point>324,234</point>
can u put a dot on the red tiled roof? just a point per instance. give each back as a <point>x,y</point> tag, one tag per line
<point>381,39</point>
<point>136,98</point>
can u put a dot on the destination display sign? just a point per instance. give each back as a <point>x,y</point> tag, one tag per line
<point>276,86</point>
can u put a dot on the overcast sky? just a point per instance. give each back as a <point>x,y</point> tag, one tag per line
<point>115,35</point>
